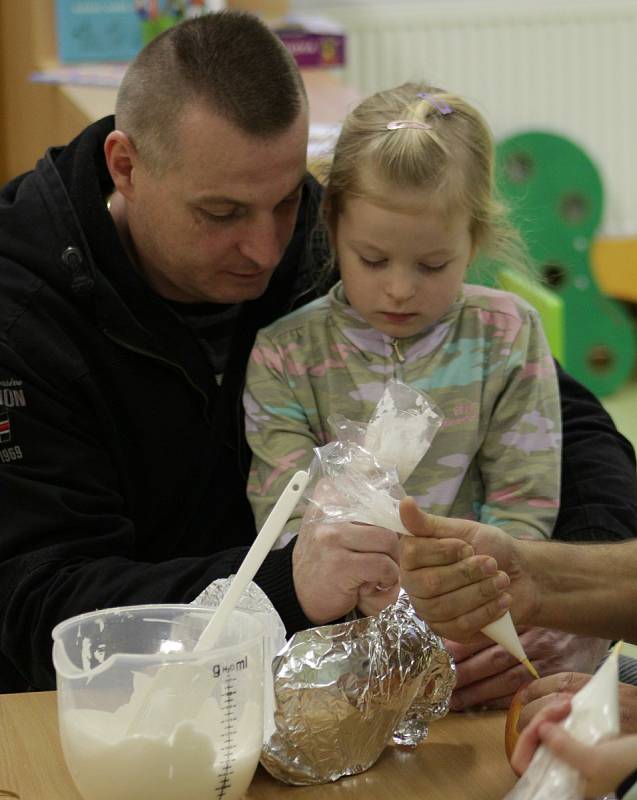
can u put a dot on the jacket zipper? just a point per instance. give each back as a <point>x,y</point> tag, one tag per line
<point>399,372</point>
<point>167,361</point>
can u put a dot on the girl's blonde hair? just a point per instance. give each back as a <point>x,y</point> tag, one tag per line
<point>448,155</point>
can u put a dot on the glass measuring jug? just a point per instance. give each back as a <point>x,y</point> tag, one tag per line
<point>196,736</point>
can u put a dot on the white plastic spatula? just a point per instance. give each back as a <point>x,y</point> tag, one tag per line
<point>184,677</point>
<point>267,536</point>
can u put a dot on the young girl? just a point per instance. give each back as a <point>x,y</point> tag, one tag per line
<point>407,206</point>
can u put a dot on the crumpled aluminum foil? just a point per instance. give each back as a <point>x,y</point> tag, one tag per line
<point>343,691</point>
<point>253,600</point>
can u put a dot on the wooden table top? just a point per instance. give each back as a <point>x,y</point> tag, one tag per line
<point>463,758</point>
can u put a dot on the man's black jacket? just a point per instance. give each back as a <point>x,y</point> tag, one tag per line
<point>122,464</point>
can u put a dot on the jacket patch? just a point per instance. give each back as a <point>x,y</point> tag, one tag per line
<point>12,393</point>
<point>5,426</point>
<point>7,454</point>
<point>11,396</point>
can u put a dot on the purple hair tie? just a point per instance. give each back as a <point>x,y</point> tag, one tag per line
<point>440,105</point>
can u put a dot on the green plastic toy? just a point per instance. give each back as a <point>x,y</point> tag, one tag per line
<point>556,198</point>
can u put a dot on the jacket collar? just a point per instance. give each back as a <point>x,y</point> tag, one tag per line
<point>372,343</point>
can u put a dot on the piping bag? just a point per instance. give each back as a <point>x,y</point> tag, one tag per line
<point>503,632</point>
<point>399,433</point>
<point>594,716</point>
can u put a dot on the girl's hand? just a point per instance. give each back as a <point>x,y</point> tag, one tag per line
<point>604,765</point>
<point>486,675</point>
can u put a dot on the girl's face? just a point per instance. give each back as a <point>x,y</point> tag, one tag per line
<point>402,270</point>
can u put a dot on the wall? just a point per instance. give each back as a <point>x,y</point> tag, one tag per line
<point>562,65</point>
<point>3,107</point>
<point>34,116</point>
<point>567,67</point>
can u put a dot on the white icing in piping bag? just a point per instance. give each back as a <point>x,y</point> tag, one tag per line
<point>503,632</point>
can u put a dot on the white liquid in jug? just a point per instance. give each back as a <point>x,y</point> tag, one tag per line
<point>183,762</point>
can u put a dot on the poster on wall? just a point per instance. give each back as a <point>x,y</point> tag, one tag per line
<point>116,30</point>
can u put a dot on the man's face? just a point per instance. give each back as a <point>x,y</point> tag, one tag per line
<point>214,226</point>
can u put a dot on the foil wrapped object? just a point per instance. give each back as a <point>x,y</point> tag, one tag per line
<point>343,691</point>
<point>254,601</point>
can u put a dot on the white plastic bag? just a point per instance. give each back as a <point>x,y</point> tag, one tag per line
<point>402,428</point>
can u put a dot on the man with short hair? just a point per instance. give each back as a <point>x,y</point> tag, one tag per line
<point>136,265</point>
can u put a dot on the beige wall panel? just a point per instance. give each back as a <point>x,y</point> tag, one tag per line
<point>32,116</point>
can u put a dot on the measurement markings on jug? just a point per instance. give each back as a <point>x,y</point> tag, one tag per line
<point>229,707</point>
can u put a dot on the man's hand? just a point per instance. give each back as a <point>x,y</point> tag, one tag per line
<point>541,693</point>
<point>338,566</point>
<point>460,575</point>
<point>555,711</point>
<point>488,677</point>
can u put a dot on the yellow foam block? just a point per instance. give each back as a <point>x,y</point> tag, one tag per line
<point>614,265</point>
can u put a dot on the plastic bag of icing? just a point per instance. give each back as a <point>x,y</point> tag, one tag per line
<point>594,716</point>
<point>347,484</point>
<point>400,430</point>
<point>358,477</point>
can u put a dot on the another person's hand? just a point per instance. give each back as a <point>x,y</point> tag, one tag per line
<point>457,573</point>
<point>603,765</point>
<point>488,677</point>
<point>556,710</point>
<point>338,566</point>
<point>541,693</point>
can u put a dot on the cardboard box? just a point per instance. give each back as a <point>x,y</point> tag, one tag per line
<point>313,41</point>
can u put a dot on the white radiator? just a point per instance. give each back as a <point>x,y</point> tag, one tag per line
<point>564,67</point>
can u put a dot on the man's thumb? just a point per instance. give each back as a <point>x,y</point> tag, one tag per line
<point>421,524</point>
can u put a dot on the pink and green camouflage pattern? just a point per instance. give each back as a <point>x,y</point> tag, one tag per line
<point>485,363</point>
